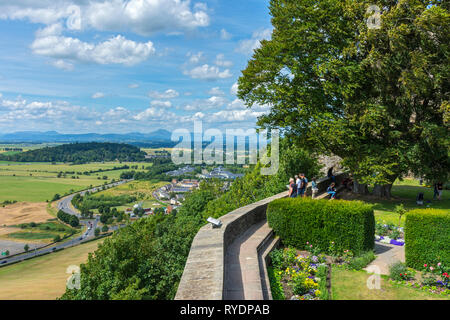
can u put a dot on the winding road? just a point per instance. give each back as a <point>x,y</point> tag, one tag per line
<point>65,205</point>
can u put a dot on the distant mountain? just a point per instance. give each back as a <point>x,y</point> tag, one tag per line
<point>160,138</point>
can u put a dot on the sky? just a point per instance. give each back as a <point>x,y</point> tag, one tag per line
<point>118,66</point>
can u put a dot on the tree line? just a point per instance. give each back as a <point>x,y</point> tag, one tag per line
<point>79,153</point>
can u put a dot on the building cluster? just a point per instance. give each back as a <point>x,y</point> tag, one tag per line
<point>219,173</point>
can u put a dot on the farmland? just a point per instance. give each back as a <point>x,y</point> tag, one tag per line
<point>43,277</point>
<point>38,182</point>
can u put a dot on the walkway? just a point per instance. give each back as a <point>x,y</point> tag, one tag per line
<point>243,275</point>
<point>387,254</point>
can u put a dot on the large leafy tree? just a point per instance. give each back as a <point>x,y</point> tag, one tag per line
<point>372,89</point>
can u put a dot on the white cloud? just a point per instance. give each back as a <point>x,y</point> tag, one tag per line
<point>205,104</point>
<point>98,95</point>
<point>216,91</point>
<point>143,17</point>
<point>116,50</point>
<point>155,114</point>
<point>221,62</point>
<point>195,58</point>
<point>248,46</point>
<point>168,94</point>
<point>161,104</point>
<point>133,86</point>
<point>63,65</point>
<point>224,35</point>
<point>234,89</point>
<point>207,72</point>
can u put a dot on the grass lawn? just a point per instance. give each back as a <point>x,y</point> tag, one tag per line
<point>404,192</point>
<point>352,285</point>
<point>42,278</point>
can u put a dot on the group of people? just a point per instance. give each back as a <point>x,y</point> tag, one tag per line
<point>298,185</point>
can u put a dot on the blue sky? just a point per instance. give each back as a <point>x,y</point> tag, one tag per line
<point>126,65</point>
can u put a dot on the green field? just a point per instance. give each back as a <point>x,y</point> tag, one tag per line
<point>42,278</point>
<point>38,182</point>
<point>142,190</point>
<point>42,231</point>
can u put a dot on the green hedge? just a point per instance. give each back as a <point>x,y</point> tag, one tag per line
<point>350,224</point>
<point>427,237</point>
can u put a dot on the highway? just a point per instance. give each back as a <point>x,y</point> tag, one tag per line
<point>65,205</point>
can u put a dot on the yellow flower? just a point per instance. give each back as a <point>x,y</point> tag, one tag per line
<point>317,293</point>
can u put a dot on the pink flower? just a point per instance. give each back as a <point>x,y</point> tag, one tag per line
<point>431,268</point>
<point>311,246</point>
<point>439,264</point>
<point>425,265</point>
<point>307,242</point>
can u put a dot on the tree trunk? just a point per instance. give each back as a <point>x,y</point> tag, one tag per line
<point>360,188</point>
<point>382,191</point>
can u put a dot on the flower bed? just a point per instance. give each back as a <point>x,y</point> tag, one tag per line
<point>302,275</point>
<point>390,234</point>
<point>434,279</point>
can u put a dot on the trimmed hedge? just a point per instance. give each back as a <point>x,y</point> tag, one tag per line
<point>350,224</point>
<point>427,237</point>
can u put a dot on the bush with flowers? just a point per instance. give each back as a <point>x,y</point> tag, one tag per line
<point>433,278</point>
<point>299,274</point>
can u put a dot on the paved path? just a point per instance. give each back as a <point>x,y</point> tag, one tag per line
<point>387,254</point>
<point>243,276</point>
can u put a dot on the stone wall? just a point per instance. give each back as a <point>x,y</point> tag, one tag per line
<point>204,273</point>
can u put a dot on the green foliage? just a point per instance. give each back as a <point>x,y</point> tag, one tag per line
<point>427,237</point>
<point>361,261</point>
<point>80,153</point>
<point>254,186</point>
<point>26,248</point>
<point>378,98</point>
<point>146,259</point>
<point>283,258</point>
<point>97,232</point>
<point>399,272</point>
<point>322,273</point>
<point>275,284</point>
<point>68,218</point>
<point>349,224</point>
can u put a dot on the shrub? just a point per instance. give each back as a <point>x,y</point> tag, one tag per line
<point>427,237</point>
<point>350,224</point>
<point>322,273</point>
<point>360,262</point>
<point>399,271</point>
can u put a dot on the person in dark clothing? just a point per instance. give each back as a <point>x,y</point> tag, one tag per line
<point>292,188</point>
<point>303,184</point>
<point>436,192</point>
<point>440,189</point>
<point>330,174</point>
